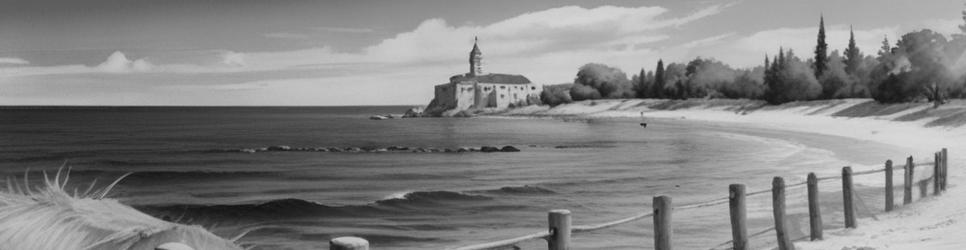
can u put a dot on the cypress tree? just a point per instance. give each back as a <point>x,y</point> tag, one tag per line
<point>821,49</point>
<point>781,58</point>
<point>659,80</point>
<point>642,84</point>
<point>852,54</point>
<point>767,65</point>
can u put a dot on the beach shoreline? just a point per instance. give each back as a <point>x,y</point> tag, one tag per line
<point>920,128</point>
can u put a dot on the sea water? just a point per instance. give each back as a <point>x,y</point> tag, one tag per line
<point>189,165</point>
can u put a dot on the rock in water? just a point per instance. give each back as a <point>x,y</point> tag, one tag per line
<point>509,149</point>
<point>279,148</point>
<point>489,149</point>
<point>413,112</point>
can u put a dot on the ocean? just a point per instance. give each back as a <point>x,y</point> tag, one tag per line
<point>194,165</point>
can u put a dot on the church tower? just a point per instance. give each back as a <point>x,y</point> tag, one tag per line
<point>476,59</point>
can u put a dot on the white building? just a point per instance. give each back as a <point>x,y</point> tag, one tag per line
<point>478,91</point>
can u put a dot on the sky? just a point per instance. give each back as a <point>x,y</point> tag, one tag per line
<point>365,52</point>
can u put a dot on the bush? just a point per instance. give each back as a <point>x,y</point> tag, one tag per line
<point>554,95</point>
<point>596,81</point>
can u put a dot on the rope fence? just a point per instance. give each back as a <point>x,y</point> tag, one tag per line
<point>559,232</point>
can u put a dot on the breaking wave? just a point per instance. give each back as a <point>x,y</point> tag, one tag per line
<point>408,202</point>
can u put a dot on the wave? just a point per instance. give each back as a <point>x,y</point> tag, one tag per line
<point>520,190</point>
<point>416,202</point>
<point>421,198</point>
<point>298,208</point>
<point>155,176</point>
<point>275,209</point>
<point>366,149</point>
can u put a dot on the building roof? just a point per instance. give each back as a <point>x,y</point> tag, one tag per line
<point>492,78</point>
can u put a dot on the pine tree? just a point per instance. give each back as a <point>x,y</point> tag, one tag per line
<point>642,84</point>
<point>766,64</point>
<point>852,54</point>
<point>885,50</point>
<point>658,90</point>
<point>781,58</point>
<point>821,50</point>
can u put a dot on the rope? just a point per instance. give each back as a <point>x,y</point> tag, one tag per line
<point>709,203</point>
<point>868,172</point>
<point>588,228</point>
<point>828,178</point>
<point>544,235</point>
<point>507,242</point>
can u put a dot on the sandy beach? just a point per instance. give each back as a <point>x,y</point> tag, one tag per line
<point>932,223</point>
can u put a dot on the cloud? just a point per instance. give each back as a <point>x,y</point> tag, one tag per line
<point>547,46</point>
<point>705,42</point>
<point>232,58</point>
<point>118,63</point>
<point>13,60</point>
<point>345,30</point>
<point>556,29</point>
<point>285,35</point>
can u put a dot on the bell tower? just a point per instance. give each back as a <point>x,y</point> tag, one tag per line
<point>476,59</point>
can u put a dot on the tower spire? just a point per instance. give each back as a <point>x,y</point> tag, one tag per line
<point>476,58</point>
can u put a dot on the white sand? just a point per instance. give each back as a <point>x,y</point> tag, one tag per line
<point>932,223</point>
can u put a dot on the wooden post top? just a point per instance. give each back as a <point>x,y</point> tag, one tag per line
<point>349,243</point>
<point>560,211</point>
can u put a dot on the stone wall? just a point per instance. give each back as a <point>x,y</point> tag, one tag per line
<point>458,96</point>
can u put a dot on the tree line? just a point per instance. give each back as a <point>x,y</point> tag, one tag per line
<point>921,65</point>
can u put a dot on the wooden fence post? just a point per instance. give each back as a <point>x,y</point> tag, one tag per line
<point>559,226</point>
<point>945,167</point>
<point>936,173</point>
<point>348,243</point>
<point>778,207</point>
<point>662,222</point>
<point>849,207</point>
<point>814,211</point>
<point>736,203</point>
<point>889,202</point>
<point>907,185</point>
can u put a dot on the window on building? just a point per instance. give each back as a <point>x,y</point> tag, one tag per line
<point>502,87</point>
<point>502,96</point>
<point>533,88</point>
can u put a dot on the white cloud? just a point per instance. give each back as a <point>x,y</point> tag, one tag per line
<point>13,60</point>
<point>557,29</point>
<point>547,46</point>
<point>118,63</point>
<point>704,42</point>
<point>232,58</point>
<point>285,35</point>
<point>345,29</point>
